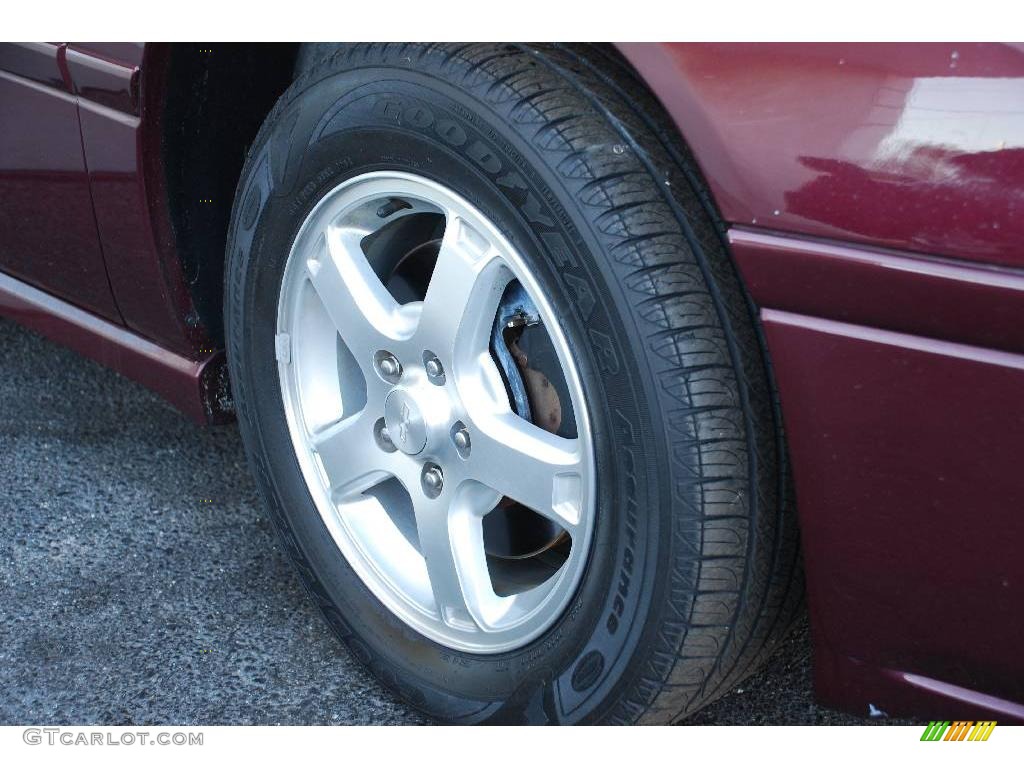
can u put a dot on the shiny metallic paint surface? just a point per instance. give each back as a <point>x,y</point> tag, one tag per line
<point>102,80</point>
<point>34,61</point>
<point>906,458</point>
<point>123,153</point>
<point>112,251</point>
<point>932,297</point>
<point>46,216</point>
<point>917,147</point>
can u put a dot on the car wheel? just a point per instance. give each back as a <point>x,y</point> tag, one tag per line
<point>501,389</point>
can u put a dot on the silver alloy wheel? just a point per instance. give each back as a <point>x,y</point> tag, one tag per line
<point>402,424</point>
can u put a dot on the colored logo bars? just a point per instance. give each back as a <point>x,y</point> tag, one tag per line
<point>959,730</point>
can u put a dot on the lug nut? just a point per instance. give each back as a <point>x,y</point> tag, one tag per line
<point>388,366</point>
<point>383,437</point>
<point>461,440</point>
<point>433,367</point>
<point>433,480</point>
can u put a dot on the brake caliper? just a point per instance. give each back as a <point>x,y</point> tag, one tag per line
<point>533,398</point>
<point>524,534</point>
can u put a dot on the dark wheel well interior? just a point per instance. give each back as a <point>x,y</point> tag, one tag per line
<point>217,95</point>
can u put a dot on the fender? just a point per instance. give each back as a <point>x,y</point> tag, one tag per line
<point>872,194</point>
<point>908,147</point>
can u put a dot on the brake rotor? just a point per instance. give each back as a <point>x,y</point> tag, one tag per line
<point>513,531</point>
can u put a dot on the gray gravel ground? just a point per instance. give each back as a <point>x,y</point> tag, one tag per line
<point>141,583</point>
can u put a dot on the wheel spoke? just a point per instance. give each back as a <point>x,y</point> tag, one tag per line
<point>350,456</point>
<point>464,292</point>
<point>360,307</point>
<point>452,543</point>
<point>520,460</point>
<point>405,491</point>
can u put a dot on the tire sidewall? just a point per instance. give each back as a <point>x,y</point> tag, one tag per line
<point>329,128</point>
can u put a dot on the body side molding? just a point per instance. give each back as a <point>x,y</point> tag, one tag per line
<point>196,387</point>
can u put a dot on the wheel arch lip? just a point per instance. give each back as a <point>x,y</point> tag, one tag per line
<point>912,147</point>
<point>660,68</point>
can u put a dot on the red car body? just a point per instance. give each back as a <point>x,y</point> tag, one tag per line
<point>874,198</point>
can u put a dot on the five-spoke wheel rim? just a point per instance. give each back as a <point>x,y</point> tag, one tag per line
<point>402,422</point>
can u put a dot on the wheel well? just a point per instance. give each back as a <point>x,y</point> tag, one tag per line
<point>216,97</point>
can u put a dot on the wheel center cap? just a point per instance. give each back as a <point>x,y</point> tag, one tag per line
<point>404,419</point>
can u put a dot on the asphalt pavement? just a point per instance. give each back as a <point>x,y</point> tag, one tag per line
<point>141,582</point>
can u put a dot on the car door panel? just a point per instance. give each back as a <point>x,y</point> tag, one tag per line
<point>48,234</point>
<point>121,136</point>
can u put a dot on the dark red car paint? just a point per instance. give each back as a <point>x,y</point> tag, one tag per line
<point>935,298</point>
<point>876,199</point>
<point>907,453</point>
<point>46,213</point>
<point>121,115</point>
<point>916,147</point>
<point>193,386</point>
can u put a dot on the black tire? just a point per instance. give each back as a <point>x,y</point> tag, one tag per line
<point>694,572</point>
